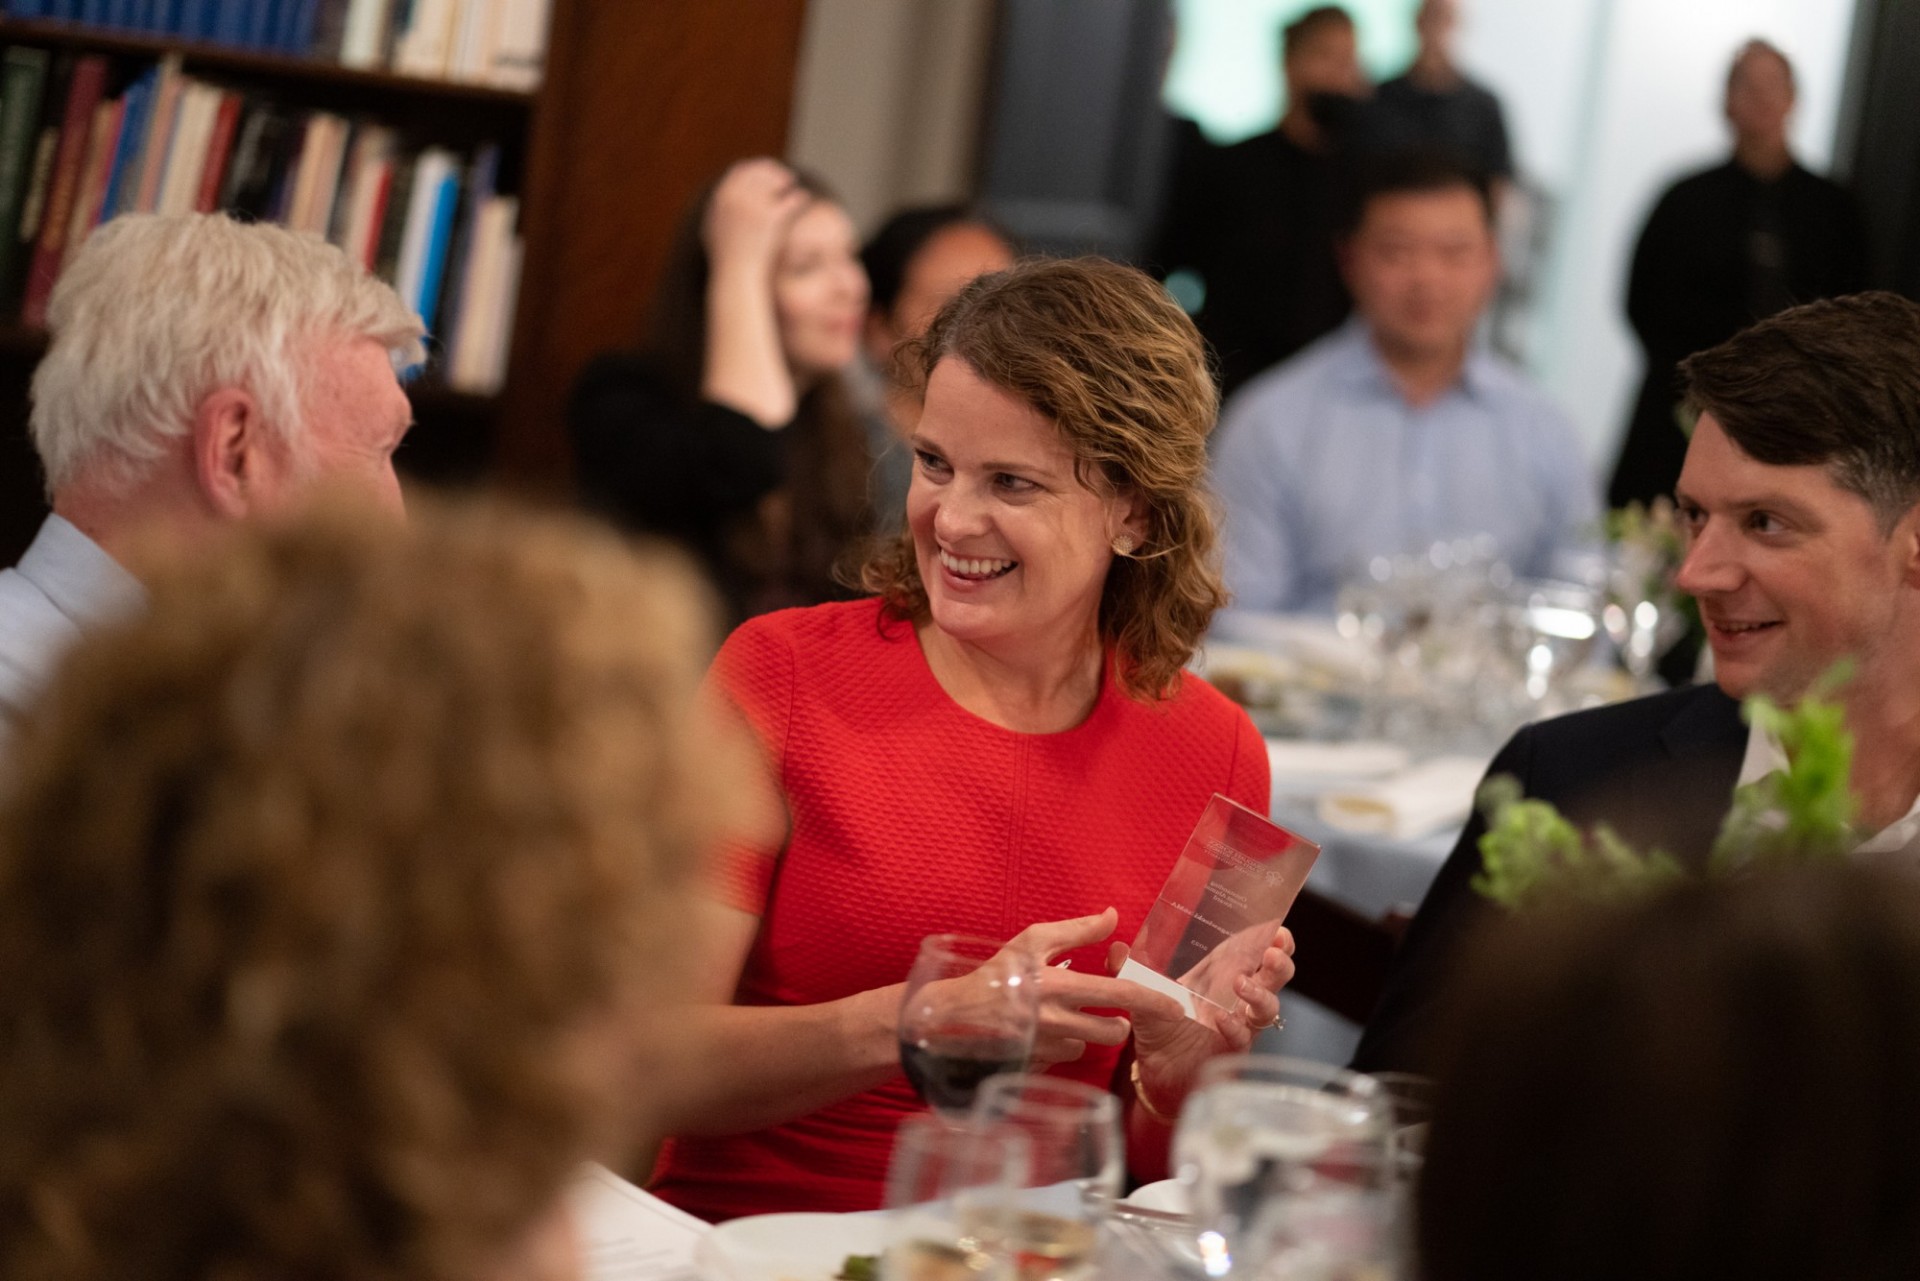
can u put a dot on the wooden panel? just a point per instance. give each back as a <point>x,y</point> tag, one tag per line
<point>645,101</point>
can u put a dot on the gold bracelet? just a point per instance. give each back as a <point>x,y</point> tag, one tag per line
<point>1140,1097</point>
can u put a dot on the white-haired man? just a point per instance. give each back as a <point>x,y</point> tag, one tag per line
<point>201,370</point>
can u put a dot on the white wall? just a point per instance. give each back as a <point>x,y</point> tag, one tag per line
<point>1610,100</point>
<point>887,102</point>
<point>1225,71</point>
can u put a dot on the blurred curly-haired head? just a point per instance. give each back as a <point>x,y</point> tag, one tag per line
<point>1102,351</point>
<point>328,892</point>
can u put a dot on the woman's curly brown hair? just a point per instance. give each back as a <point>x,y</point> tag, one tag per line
<point>1109,357</point>
<point>329,891</point>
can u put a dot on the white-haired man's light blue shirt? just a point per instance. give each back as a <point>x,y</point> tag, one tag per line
<point>64,586</point>
<point>1322,465</point>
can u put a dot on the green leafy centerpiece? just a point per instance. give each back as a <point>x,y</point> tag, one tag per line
<point>1803,813</point>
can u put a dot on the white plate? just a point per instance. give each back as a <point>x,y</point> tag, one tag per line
<point>1168,1194</point>
<point>785,1247</point>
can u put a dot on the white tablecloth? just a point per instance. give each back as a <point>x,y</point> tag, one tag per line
<point>1373,875</point>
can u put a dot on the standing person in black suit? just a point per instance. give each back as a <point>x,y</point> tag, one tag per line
<point>1434,103</point>
<point>1256,221</point>
<point>1801,503</point>
<point>1724,248</point>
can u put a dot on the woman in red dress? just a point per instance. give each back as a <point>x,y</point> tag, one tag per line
<point>1001,741</point>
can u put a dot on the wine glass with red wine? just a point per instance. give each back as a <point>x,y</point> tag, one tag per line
<point>969,1012</point>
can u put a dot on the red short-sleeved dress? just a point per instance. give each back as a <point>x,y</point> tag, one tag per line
<point>911,816</point>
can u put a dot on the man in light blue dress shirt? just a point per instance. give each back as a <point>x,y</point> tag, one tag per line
<point>1394,432</point>
<point>201,370</point>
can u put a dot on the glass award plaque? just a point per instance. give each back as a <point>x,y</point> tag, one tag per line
<point>1217,913</point>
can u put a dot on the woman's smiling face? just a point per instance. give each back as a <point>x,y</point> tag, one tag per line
<point>1011,546</point>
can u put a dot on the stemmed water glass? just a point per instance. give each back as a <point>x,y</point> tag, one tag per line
<point>946,1186</point>
<point>1642,616</point>
<point>1554,628</point>
<point>1411,1097</point>
<point>1288,1168</point>
<point>1051,1228</point>
<point>969,1012</point>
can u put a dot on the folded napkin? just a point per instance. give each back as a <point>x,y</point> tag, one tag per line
<point>1297,759</point>
<point>1428,798</point>
<point>1307,640</point>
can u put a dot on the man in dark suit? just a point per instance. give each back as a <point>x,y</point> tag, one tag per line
<point>1800,498</point>
<point>1723,248</point>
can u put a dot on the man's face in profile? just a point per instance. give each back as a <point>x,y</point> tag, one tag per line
<point>355,415</point>
<point>1422,266</point>
<point>1792,572</point>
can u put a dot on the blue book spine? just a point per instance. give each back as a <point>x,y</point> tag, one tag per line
<point>483,177</point>
<point>142,16</point>
<point>230,22</point>
<point>27,8</point>
<point>440,232</point>
<point>93,12</point>
<point>166,16</point>
<point>195,21</point>
<point>133,138</point>
<point>64,10</point>
<point>297,26</point>
<point>263,16</point>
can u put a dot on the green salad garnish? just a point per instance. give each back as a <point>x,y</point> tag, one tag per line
<point>859,1267</point>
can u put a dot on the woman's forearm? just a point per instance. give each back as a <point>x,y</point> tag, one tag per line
<point>756,1066</point>
<point>746,368</point>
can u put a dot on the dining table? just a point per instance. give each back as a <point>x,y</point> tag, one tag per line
<point>1375,875</point>
<point>628,1234</point>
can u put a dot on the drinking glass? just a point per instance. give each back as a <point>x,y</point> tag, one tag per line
<point>1411,1097</point>
<point>1051,1228</point>
<point>1554,627</point>
<point>949,1178</point>
<point>969,1012</point>
<point>1641,615</point>
<point>1288,1167</point>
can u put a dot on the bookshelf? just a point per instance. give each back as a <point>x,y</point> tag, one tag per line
<point>641,102</point>
<point>285,69</point>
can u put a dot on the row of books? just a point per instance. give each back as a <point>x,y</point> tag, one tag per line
<point>430,221</point>
<point>496,42</point>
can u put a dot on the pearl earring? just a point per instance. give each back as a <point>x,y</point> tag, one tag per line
<point>1123,544</point>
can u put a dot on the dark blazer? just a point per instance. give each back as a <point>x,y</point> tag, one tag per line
<point>1659,770</point>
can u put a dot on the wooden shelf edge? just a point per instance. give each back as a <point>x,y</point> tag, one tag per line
<point>216,57</point>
